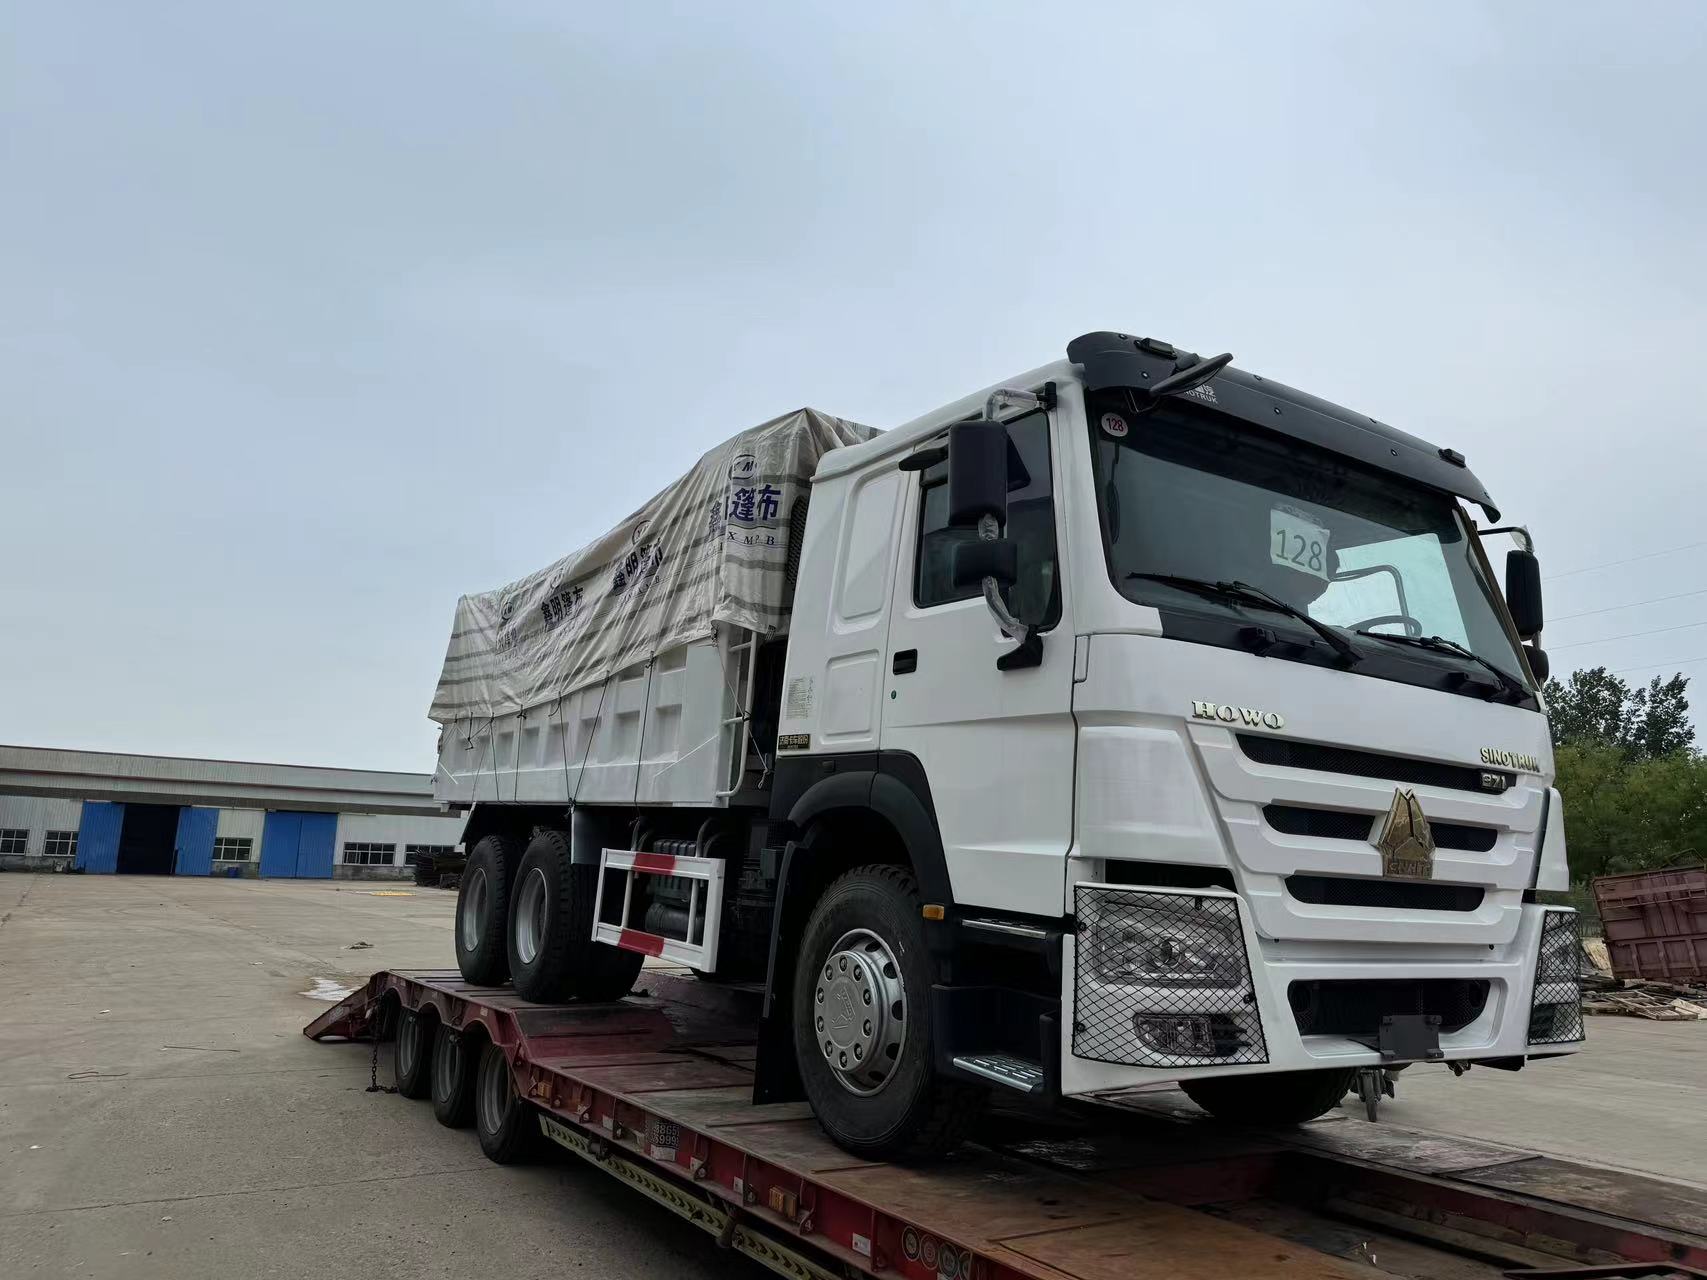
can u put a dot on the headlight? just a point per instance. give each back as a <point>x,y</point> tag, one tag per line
<point>1169,946</point>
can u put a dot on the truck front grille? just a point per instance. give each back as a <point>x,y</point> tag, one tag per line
<point>1336,824</point>
<point>1368,764</point>
<point>1356,1006</point>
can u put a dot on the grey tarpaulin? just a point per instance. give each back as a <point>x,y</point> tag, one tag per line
<point>713,547</point>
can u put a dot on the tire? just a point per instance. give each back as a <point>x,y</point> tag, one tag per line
<point>483,910</point>
<point>454,1065</point>
<point>507,1127</point>
<point>865,935</point>
<point>552,953</point>
<point>412,1053</point>
<point>1277,1098</point>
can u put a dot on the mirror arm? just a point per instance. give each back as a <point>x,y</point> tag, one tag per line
<point>1030,651</point>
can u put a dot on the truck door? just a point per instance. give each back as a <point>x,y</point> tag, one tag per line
<point>996,746</point>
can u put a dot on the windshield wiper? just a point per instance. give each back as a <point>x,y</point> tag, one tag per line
<point>1440,644</point>
<point>1244,592</point>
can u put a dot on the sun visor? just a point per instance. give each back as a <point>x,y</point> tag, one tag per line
<point>1119,360</point>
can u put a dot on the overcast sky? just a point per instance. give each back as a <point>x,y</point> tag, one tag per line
<point>314,316</point>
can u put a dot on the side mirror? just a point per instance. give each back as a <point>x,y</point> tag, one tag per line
<point>977,474</point>
<point>1538,663</point>
<point>1523,592</point>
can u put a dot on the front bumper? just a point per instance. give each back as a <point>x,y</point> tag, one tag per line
<point>1120,1031</point>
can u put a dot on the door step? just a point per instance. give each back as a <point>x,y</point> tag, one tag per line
<point>1004,1068</point>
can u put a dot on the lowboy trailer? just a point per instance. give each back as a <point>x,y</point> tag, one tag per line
<point>656,1090</point>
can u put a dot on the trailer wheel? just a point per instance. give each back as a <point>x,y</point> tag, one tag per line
<point>552,953</point>
<point>862,1023</point>
<point>1276,1098</point>
<point>483,910</point>
<point>453,1079</point>
<point>413,1053</point>
<point>506,1126</point>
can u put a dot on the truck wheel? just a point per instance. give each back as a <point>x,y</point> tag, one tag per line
<point>552,953</point>
<point>424,875</point>
<point>413,1053</point>
<point>453,1079</point>
<point>1277,1098</point>
<point>483,910</point>
<point>506,1126</point>
<point>862,1028</point>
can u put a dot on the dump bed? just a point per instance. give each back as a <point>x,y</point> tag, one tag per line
<point>616,672</point>
<point>656,1091</point>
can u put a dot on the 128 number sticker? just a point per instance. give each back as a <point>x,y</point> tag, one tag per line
<point>1296,541</point>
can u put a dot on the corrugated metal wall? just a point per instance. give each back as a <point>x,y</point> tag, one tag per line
<point>380,828</point>
<point>38,815</point>
<point>242,822</point>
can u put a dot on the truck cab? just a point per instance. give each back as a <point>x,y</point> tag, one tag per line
<point>1199,738</point>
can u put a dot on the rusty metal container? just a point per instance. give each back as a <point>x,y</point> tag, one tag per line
<point>1656,923</point>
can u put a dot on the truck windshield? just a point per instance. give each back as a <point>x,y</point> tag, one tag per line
<point>1190,494</point>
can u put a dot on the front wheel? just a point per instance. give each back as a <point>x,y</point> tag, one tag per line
<point>1275,1098</point>
<point>862,1026</point>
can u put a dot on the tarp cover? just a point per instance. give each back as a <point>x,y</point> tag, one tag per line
<point>713,547</point>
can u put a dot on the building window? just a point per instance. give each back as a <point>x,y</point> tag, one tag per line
<point>14,839</point>
<point>61,844</point>
<point>233,848</point>
<point>359,853</point>
<point>413,851</point>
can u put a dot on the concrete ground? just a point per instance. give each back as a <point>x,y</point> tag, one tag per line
<point>161,1114</point>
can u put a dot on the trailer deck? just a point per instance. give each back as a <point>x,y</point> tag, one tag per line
<point>656,1089</point>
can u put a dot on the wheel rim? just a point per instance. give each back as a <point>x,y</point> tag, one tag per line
<point>474,910</point>
<point>494,1100</point>
<point>408,1044</point>
<point>446,1058</point>
<point>859,1009</point>
<point>530,916</point>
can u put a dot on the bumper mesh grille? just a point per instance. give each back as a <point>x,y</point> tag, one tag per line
<point>1162,980</point>
<point>1556,1013</point>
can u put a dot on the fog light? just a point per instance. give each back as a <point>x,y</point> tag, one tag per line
<point>1188,1036</point>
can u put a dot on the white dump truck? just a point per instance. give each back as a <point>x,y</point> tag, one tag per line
<point>1135,720</point>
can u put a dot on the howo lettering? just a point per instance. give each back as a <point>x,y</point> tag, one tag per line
<point>1116,725</point>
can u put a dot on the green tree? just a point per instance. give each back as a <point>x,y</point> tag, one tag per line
<point>1596,708</point>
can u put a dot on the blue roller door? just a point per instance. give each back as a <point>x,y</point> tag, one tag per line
<point>195,842</point>
<point>98,837</point>
<point>298,845</point>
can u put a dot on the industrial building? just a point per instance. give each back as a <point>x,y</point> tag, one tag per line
<point>105,813</point>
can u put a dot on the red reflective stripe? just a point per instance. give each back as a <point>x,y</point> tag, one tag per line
<point>661,863</point>
<point>646,943</point>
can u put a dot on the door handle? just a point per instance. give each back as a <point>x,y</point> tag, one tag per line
<point>905,662</point>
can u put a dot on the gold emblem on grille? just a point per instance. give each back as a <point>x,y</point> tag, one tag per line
<point>1406,843</point>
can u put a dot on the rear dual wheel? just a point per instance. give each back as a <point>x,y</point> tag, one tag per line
<point>483,910</point>
<point>455,1064</point>
<point>413,1050</point>
<point>552,955</point>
